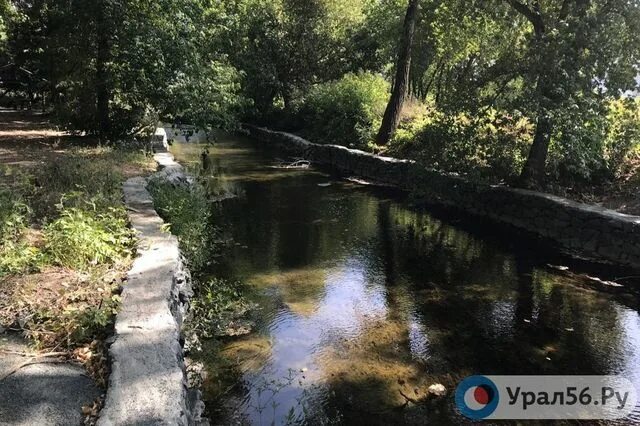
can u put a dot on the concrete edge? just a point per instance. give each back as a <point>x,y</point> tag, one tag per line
<point>148,382</point>
<point>582,229</point>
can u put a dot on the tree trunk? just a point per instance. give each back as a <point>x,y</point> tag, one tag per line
<point>102,75</point>
<point>532,174</point>
<point>394,107</point>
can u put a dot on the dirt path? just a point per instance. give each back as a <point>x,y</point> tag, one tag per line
<point>36,389</point>
<point>27,138</point>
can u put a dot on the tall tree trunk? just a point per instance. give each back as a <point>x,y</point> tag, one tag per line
<point>532,174</point>
<point>394,107</point>
<point>103,94</point>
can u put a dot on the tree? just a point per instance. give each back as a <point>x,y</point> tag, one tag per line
<point>113,68</point>
<point>284,47</point>
<point>392,113</point>
<point>572,62</point>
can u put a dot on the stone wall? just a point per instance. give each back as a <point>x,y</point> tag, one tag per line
<point>583,229</point>
<point>148,381</point>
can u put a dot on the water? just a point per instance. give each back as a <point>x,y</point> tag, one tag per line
<point>365,302</point>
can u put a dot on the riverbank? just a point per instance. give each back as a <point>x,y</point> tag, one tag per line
<point>582,229</point>
<point>65,248</point>
<point>148,382</point>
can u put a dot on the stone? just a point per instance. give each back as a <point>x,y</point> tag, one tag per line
<point>585,229</point>
<point>437,390</point>
<point>148,382</point>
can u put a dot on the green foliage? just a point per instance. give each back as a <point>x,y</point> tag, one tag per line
<point>491,146</point>
<point>217,306</point>
<point>207,96</point>
<point>6,12</point>
<point>87,230</point>
<point>285,46</point>
<point>14,215</point>
<point>85,236</point>
<point>346,111</point>
<point>622,141</point>
<point>112,68</point>
<point>187,211</point>
<point>78,201</point>
<point>16,256</point>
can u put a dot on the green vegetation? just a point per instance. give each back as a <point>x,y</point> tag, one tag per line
<point>82,237</point>
<point>65,244</point>
<point>345,111</point>
<point>186,209</point>
<point>218,304</point>
<point>529,92</point>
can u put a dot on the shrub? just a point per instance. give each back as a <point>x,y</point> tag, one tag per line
<point>14,215</point>
<point>493,145</point>
<point>82,237</point>
<point>346,111</point>
<point>16,256</point>
<point>187,211</point>
<point>623,137</point>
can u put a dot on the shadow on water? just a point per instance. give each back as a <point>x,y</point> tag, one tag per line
<point>366,302</point>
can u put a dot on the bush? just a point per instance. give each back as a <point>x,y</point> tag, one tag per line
<point>83,237</point>
<point>346,111</point>
<point>188,212</point>
<point>16,256</point>
<point>623,137</point>
<point>493,145</point>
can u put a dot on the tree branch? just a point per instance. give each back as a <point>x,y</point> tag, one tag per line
<point>533,15</point>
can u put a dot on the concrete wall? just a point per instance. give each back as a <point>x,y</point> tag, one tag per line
<point>148,381</point>
<point>584,229</point>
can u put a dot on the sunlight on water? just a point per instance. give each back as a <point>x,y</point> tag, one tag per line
<point>365,302</point>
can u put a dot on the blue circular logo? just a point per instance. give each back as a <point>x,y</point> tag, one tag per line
<point>477,397</point>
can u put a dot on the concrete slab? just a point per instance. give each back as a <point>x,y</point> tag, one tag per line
<point>45,393</point>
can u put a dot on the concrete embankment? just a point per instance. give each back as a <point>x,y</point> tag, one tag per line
<point>148,382</point>
<point>583,229</point>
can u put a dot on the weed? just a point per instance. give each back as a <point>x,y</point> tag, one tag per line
<point>76,200</point>
<point>217,308</point>
<point>187,211</point>
<point>82,237</point>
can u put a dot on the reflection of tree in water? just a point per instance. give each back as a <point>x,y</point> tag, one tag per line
<point>453,304</point>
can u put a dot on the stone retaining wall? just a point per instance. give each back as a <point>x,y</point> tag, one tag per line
<point>148,382</point>
<point>583,229</point>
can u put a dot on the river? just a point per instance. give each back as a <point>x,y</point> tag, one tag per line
<point>364,302</point>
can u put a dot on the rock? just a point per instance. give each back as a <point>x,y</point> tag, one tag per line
<point>437,390</point>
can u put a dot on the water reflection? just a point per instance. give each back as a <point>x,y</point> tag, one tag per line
<point>365,302</point>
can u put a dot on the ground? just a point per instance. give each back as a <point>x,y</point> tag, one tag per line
<point>31,384</point>
<point>622,196</point>
<point>52,358</point>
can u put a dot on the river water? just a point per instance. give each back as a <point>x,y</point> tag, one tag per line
<point>365,302</point>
